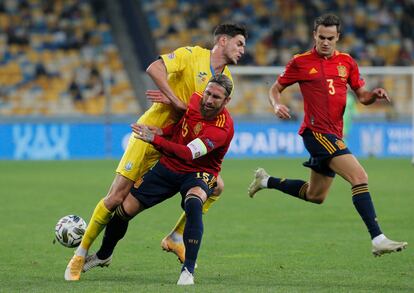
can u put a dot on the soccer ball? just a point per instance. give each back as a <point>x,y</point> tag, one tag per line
<point>69,230</point>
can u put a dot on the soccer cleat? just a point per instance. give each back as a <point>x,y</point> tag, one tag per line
<point>177,247</point>
<point>74,268</point>
<point>186,278</point>
<point>386,245</point>
<point>93,261</point>
<point>256,185</point>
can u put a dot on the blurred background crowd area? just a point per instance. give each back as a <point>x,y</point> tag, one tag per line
<point>58,57</point>
<point>64,57</point>
<point>375,32</point>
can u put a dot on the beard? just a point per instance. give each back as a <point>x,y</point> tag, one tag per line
<point>208,113</point>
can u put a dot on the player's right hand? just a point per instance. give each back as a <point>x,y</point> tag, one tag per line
<point>281,111</point>
<point>156,96</point>
<point>145,132</point>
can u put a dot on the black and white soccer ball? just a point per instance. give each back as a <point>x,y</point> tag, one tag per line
<point>69,230</point>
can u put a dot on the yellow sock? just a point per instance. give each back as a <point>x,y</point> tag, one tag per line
<point>179,226</point>
<point>100,217</point>
<point>212,199</point>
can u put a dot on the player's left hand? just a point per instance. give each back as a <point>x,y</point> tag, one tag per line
<point>156,96</point>
<point>380,93</point>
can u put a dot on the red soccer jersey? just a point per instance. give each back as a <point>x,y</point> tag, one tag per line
<point>323,84</point>
<point>216,135</point>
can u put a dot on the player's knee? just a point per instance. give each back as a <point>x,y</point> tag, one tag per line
<point>360,177</point>
<point>219,188</point>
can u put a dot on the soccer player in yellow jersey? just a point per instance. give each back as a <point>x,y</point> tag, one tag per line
<point>177,75</point>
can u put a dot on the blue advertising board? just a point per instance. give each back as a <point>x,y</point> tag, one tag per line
<point>55,141</point>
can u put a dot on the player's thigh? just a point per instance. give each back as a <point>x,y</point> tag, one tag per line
<point>202,183</point>
<point>319,185</point>
<point>137,159</point>
<point>349,168</point>
<point>197,191</point>
<point>218,190</point>
<point>118,191</point>
<point>157,185</point>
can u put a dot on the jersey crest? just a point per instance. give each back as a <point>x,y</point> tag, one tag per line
<point>201,77</point>
<point>342,72</point>
<point>197,128</point>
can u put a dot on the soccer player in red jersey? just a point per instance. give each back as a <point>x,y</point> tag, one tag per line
<point>323,74</point>
<point>192,152</point>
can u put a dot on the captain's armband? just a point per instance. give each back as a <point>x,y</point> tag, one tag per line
<point>197,148</point>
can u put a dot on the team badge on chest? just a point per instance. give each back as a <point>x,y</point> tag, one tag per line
<point>342,72</point>
<point>197,128</point>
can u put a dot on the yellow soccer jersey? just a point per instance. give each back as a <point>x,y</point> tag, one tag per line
<point>189,69</point>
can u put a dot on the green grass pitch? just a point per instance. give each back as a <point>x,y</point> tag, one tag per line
<point>272,243</point>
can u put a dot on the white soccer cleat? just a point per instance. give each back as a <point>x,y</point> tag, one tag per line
<point>74,268</point>
<point>257,185</point>
<point>186,278</point>
<point>93,261</point>
<point>384,245</point>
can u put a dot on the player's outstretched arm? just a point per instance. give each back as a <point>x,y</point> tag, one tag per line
<point>368,97</point>
<point>279,109</point>
<point>158,74</point>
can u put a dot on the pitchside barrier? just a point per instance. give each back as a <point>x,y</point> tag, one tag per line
<point>55,141</point>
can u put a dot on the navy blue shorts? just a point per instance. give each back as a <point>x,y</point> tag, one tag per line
<point>322,148</point>
<point>160,183</point>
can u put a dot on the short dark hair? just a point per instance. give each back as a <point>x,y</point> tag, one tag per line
<point>327,20</point>
<point>224,81</point>
<point>229,29</point>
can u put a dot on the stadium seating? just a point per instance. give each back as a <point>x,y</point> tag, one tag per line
<point>59,59</point>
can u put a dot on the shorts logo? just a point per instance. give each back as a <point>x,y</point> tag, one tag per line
<point>171,55</point>
<point>138,182</point>
<point>197,128</point>
<point>128,166</point>
<point>342,71</point>
<point>341,145</point>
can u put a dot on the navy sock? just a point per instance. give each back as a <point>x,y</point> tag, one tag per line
<point>115,231</point>
<point>363,204</point>
<point>193,231</point>
<point>296,188</point>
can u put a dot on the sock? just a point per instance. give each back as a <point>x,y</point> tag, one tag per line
<point>296,188</point>
<point>210,200</point>
<point>193,231</point>
<point>179,226</point>
<point>100,217</point>
<point>115,231</point>
<point>363,204</point>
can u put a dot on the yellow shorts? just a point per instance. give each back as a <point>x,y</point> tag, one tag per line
<point>138,158</point>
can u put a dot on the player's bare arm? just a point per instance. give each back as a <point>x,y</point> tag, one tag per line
<point>279,109</point>
<point>156,96</point>
<point>369,97</point>
<point>158,74</point>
